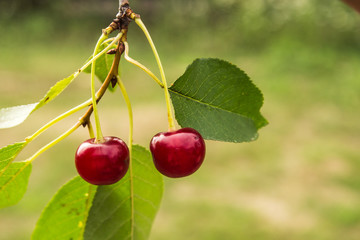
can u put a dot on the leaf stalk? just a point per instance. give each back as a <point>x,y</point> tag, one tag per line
<point>139,65</point>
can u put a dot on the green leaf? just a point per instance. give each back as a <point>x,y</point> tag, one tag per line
<point>13,183</point>
<point>55,90</point>
<point>65,215</point>
<point>12,175</point>
<point>119,213</point>
<point>8,153</point>
<point>13,116</point>
<point>102,66</point>
<point>219,100</point>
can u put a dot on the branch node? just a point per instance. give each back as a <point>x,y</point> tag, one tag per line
<point>111,51</point>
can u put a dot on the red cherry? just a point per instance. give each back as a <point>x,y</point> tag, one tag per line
<point>178,153</point>
<point>102,163</point>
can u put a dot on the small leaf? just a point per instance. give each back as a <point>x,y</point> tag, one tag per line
<point>102,66</point>
<point>8,153</point>
<point>65,215</point>
<point>219,100</point>
<point>126,210</point>
<point>55,90</point>
<point>13,183</point>
<point>13,116</point>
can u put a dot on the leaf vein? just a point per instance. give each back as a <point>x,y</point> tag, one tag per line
<point>147,182</point>
<point>207,104</point>
<point>146,200</point>
<point>111,213</point>
<point>14,176</point>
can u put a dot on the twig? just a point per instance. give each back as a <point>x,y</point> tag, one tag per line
<point>123,6</point>
<point>109,79</point>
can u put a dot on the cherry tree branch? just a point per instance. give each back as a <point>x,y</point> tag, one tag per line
<point>109,79</point>
<point>123,7</point>
<point>355,4</point>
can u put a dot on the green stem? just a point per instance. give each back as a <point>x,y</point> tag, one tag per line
<point>136,63</point>
<point>108,40</point>
<point>99,135</point>
<point>163,78</point>
<point>81,106</point>
<point>116,39</point>
<point>54,142</point>
<point>131,127</point>
<point>57,119</point>
<point>128,104</point>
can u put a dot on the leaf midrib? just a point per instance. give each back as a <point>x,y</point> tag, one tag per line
<point>12,158</point>
<point>207,104</point>
<point>14,176</point>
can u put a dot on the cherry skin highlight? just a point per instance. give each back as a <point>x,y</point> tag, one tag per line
<point>102,163</point>
<point>178,153</point>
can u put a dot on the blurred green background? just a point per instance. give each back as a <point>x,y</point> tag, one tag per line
<point>299,180</point>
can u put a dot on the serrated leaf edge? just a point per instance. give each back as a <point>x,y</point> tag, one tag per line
<point>197,60</point>
<point>86,212</point>
<point>15,175</point>
<point>13,157</point>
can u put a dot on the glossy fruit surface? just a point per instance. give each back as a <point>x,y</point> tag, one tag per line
<point>102,163</point>
<point>178,153</point>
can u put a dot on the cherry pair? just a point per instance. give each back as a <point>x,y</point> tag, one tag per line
<point>175,154</point>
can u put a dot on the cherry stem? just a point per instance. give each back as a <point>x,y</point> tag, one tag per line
<point>108,40</point>
<point>99,135</point>
<point>57,119</point>
<point>112,73</point>
<point>81,106</point>
<point>115,40</point>
<point>84,120</point>
<point>54,142</point>
<point>163,78</point>
<point>139,65</point>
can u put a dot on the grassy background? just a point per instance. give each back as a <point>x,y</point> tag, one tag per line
<point>299,180</point>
